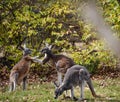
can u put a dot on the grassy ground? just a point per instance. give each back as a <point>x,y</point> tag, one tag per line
<point>44,92</point>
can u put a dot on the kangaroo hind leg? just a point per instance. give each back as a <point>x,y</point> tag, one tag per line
<point>59,78</point>
<point>13,81</point>
<point>82,83</point>
<point>24,82</point>
<point>72,95</point>
<point>11,86</point>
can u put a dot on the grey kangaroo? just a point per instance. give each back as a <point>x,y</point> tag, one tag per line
<point>20,71</point>
<point>75,76</point>
<point>61,62</point>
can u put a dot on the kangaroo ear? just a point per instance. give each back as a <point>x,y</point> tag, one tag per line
<point>24,46</point>
<point>50,47</point>
<point>21,48</point>
<point>55,84</point>
<point>46,44</point>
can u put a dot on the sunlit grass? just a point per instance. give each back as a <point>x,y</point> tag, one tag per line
<point>44,92</point>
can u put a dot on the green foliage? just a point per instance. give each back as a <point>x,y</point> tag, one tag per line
<point>111,12</point>
<point>56,22</point>
<point>95,57</point>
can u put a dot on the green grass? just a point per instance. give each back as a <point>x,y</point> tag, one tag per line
<point>44,92</point>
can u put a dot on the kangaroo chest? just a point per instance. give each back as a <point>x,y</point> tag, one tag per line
<point>25,68</point>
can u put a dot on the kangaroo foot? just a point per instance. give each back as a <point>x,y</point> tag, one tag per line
<point>75,99</point>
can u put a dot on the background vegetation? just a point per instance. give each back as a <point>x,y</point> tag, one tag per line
<point>56,22</point>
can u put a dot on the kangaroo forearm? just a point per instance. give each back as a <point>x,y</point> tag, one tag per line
<point>45,60</point>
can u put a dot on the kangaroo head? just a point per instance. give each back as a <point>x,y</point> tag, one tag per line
<point>22,46</point>
<point>26,51</point>
<point>46,50</point>
<point>58,91</point>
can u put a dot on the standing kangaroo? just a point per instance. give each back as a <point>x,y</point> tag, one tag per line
<point>75,76</point>
<point>20,71</point>
<point>61,62</point>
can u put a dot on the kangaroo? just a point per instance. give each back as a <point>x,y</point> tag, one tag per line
<point>75,76</point>
<point>61,62</point>
<point>20,71</point>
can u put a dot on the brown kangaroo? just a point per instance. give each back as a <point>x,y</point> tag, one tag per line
<point>20,71</point>
<point>61,62</point>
